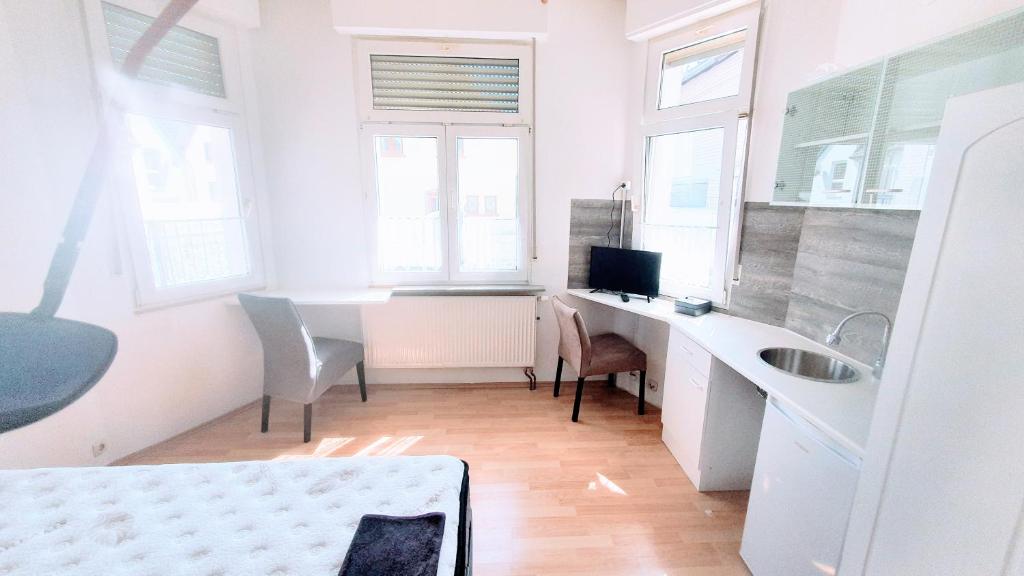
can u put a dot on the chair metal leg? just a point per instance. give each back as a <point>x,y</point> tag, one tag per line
<point>612,378</point>
<point>579,398</point>
<point>558,375</point>
<point>307,422</point>
<point>361,373</point>
<point>265,417</point>
<point>643,388</point>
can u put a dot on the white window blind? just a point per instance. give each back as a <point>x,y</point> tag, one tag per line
<point>445,83</point>
<point>184,57</point>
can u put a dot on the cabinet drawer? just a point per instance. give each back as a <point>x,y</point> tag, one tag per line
<point>698,357</point>
<point>684,404</point>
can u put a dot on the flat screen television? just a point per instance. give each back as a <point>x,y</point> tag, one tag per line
<point>625,271</point>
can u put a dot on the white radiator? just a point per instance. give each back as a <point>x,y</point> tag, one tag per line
<point>451,332</point>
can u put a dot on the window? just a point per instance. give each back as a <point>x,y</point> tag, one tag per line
<point>685,211</point>
<point>703,71</point>
<point>695,120</point>
<point>182,162</point>
<point>452,206</point>
<point>189,203</point>
<point>448,163</point>
<point>410,223</point>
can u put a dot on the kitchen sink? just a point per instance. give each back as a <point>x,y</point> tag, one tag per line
<point>810,365</point>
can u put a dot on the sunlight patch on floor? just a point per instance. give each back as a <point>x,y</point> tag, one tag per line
<point>607,484</point>
<point>389,446</point>
<point>400,445</point>
<point>330,445</point>
<point>368,451</point>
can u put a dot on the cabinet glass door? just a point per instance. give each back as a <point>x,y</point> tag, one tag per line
<point>917,85</point>
<point>866,138</point>
<point>825,137</point>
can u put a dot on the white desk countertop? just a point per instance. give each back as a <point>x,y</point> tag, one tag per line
<point>843,411</point>
<point>340,297</point>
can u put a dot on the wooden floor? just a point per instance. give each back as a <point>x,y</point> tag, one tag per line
<point>603,496</point>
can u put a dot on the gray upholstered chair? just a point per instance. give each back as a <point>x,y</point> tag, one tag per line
<point>297,367</point>
<point>603,354</point>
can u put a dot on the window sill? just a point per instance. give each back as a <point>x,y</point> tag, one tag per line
<point>221,294</point>
<point>469,290</point>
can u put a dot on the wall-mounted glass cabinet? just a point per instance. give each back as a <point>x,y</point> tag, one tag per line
<point>866,138</point>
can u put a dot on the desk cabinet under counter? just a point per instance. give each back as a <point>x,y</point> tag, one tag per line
<point>711,417</point>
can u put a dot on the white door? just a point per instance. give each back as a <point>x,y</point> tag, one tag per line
<point>943,485</point>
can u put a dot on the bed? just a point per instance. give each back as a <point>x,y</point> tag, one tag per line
<point>283,517</point>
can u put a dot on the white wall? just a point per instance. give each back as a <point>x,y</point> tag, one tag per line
<point>176,368</point>
<point>304,74</point>
<point>797,43</point>
<point>582,72</point>
<point>501,19</point>
<point>648,18</point>
<point>863,35</point>
<point>245,13</point>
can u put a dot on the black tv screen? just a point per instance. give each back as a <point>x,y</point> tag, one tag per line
<point>622,270</point>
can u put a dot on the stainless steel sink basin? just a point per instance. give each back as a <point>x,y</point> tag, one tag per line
<point>810,365</point>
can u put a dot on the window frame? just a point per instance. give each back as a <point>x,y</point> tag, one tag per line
<point>728,112</point>
<point>729,123</point>
<point>441,48</point>
<point>446,135</point>
<point>522,134</point>
<point>120,96</point>
<point>369,133</point>
<point>742,18</point>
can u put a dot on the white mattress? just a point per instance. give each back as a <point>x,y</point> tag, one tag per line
<point>289,517</point>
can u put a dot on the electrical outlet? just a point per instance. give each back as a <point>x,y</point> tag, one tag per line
<point>98,449</point>
<point>652,384</point>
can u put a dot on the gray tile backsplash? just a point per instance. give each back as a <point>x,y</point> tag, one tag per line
<point>850,260</point>
<point>589,224</point>
<point>807,268</point>
<point>768,249</point>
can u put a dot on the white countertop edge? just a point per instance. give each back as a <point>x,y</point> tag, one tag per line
<point>842,411</point>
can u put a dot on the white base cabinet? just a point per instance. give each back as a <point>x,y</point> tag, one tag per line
<point>711,417</point>
<point>800,499</point>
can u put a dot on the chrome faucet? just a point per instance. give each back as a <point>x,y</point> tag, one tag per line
<point>835,338</point>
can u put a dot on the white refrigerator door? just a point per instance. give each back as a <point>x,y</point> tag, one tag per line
<point>799,501</point>
<point>943,485</point>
